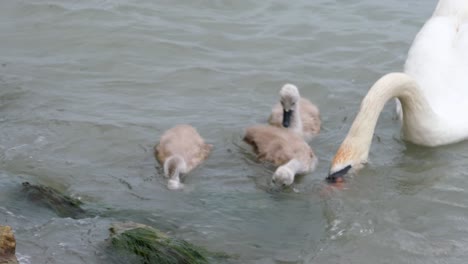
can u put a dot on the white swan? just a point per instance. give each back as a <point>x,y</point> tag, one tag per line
<point>296,113</point>
<point>180,150</point>
<point>433,91</point>
<point>282,148</point>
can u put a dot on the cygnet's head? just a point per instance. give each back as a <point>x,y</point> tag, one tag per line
<point>174,184</point>
<point>289,98</point>
<point>283,177</point>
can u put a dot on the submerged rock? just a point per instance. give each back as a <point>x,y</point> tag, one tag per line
<point>153,246</point>
<point>139,242</point>
<point>7,246</point>
<point>62,205</point>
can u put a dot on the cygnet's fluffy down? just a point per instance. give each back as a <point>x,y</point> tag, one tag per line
<point>180,150</point>
<point>296,113</point>
<point>283,148</point>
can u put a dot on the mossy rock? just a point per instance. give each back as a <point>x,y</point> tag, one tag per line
<point>145,243</point>
<point>61,204</point>
<point>7,246</point>
<point>153,246</point>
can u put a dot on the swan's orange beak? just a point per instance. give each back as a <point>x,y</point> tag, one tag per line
<point>343,163</point>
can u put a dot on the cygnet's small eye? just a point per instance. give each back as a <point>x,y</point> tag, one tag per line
<point>273,181</point>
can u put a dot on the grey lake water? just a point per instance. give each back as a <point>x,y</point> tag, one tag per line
<point>87,88</point>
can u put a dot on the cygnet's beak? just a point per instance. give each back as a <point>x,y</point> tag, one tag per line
<point>287,118</point>
<point>338,176</point>
<point>278,184</point>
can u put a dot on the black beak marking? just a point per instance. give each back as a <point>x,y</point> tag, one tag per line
<point>287,118</point>
<point>332,178</point>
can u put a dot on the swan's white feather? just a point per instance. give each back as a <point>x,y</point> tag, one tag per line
<point>433,91</point>
<point>438,61</point>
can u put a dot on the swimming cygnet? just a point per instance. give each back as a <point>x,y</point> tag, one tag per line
<point>283,148</point>
<point>296,113</point>
<point>180,150</point>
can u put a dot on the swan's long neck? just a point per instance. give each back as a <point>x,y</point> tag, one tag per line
<point>415,111</point>
<point>296,122</point>
<point>174,166</point>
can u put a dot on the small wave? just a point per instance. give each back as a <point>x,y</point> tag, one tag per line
<point>23,259</point>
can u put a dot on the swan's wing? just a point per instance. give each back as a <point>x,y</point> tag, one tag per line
<point>313,161</point>
<point>204,152</point>
<point>199,156</point>
<point>310,116</point>
<point>259,137</point>
<point>269,143</point>
<point>192,147</point>
<point>158,153</point>
<point>276,152</point>
<point>438,62</point>
<point>452,8</point>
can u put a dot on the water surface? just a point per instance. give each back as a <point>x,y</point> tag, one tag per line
<point>87,88</point>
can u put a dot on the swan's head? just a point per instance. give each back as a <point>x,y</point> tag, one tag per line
<point>289,98</point>
<point>283,177</point>
<point>174,184</point>
<point>348,159</point>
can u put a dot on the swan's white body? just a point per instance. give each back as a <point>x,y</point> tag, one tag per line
<point>433,91</point>
<point>438,62</point>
